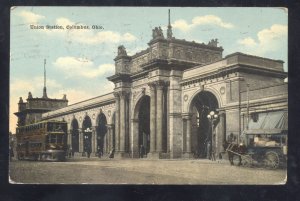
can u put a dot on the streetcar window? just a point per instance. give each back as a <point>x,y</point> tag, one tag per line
<point>59,138</point>
<point>47,138</point>
<point>50,127</point>
<point>53,138</point>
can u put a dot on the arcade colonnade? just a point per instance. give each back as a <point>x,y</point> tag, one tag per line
<point>178,92</point>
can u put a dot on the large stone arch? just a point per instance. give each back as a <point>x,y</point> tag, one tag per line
<point>75,135</point>
<point>212,90</point>
<point>140,127</point>
<point>101,131</point>
<point>87,134</point>
<point>200,131</point>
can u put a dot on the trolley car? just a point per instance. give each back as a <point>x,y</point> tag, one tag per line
<point>45,140</point>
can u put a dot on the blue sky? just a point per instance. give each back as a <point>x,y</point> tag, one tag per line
<point>78,61</point>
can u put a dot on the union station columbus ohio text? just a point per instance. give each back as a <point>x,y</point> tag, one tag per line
<point>162,99</point>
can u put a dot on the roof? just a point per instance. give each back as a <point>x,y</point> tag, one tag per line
<point>269,123</point>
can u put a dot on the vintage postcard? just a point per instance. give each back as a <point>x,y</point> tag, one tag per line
<point>148,95</point>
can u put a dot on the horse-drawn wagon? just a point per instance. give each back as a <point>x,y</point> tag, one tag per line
<point>263,146</point>
<point>267,150</point>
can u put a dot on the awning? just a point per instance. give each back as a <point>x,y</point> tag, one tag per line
<point>269,123</point>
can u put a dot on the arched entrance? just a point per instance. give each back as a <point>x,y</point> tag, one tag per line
<point>101,132</point>
<point>87,135</point>
<point>144,126</point>
<point>75,135</point>
<point>201,134</point>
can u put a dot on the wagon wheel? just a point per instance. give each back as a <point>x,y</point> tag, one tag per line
<point>247,160</point>
<point>271,160</point>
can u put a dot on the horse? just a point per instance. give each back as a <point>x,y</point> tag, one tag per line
<point>234,149</point>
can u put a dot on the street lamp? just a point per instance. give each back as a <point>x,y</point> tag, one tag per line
<point>212,117</point>
<point>86,137</point>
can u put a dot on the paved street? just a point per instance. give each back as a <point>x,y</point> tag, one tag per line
<point>140,171</point>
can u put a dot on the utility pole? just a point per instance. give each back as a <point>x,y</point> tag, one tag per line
<point>247,126</point>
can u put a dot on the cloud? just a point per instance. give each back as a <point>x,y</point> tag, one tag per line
<point>201,20</point>
<point>268,40</point>
<point>77,95</point>
<point>34,85</point>
<point>73,95</point>
<point>82,67</point>
<point>89,37</point>
<point>248,42</point>
<point>30,17</point>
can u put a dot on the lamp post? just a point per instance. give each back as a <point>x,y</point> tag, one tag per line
<point>86,137</point>
<point>212,117</point>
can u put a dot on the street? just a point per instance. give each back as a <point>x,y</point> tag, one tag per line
<point>140,171</point>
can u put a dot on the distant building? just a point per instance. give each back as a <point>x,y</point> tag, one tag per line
<point>31,111</point>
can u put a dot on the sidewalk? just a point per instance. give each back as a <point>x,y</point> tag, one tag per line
<point>106,158</point>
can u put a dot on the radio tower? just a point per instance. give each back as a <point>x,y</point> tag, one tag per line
<point>45,89</point>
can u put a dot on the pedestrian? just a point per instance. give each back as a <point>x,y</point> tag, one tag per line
<point>70,152</point>
<point>231,138</point>
<point>142,151</point>
<point>213,157</point>
<point>11,153</point>
<point>112,152</point>
<point>208,149</point>
<point>88,151</point>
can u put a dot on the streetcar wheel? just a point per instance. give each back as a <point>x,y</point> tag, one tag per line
<point>271,160</point>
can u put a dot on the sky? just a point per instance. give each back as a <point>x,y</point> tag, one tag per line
<point>78,61</point>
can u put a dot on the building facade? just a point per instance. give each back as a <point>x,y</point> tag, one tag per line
<point>173,99</point>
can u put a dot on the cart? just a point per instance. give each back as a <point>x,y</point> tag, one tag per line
<point>268,150</point>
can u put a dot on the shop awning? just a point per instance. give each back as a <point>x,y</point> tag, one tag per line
<point>269,123</point>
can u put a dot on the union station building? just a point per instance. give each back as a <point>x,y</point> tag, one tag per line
<point>172,98</point>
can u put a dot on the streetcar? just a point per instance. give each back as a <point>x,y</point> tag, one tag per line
<point>45,141</point>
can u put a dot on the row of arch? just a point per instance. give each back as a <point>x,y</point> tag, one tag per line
<point>200,128</point>
<point>86,129</point>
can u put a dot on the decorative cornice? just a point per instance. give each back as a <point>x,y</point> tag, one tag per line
<point>120,77</point>
<point>233,69</point>
<point>253,56</point>
<point>186,116</point>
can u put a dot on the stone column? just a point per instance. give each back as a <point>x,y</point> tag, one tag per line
<point>152,118</point>
<point>188,135</point>
<point>159,116</point>
<point>69,139</point>
<point>175,112</point>
<point>108,136</point>
<point>112,146</point>
<point>94,140</point>
<point>188,138</point>
<point>105,144</point>
<point>122,139</point>
<point>80,140</point>
<point>135,138</point>
<point>221,133</point>
<point>117,122</point>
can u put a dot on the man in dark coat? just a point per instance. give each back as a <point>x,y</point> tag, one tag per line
<point>142,151</point>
